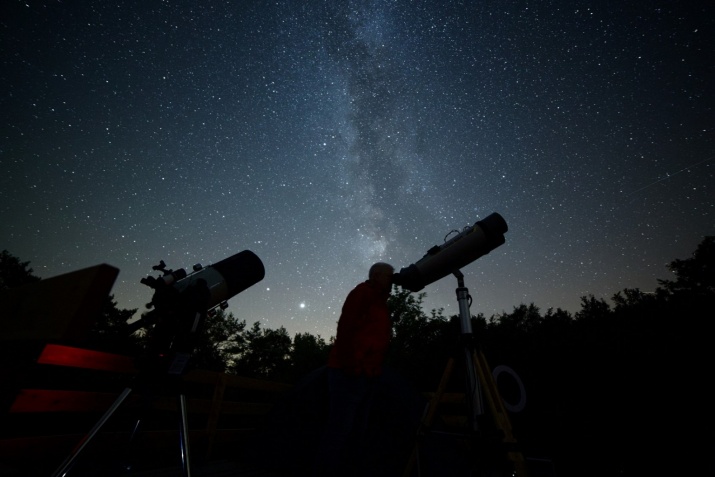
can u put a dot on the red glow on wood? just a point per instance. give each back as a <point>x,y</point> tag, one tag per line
<point>60,355</point>
<point>52,400</point>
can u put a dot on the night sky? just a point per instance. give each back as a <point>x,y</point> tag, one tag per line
<point>327,135</point>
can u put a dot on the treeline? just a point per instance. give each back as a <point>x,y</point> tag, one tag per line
<point>620,387</point>
<point>637,327</point>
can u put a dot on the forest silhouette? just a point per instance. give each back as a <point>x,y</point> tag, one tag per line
<point>620,387</point>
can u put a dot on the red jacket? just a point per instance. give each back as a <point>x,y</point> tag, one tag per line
<point>364,332</point>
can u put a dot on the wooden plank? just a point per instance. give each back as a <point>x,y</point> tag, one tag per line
<point>60,355</point>
<point>56,400</point>
<point>60,309</point>
<point>233,381</point>
<point>215,412</point>
<point>204,406</point>
<point>22,453</point>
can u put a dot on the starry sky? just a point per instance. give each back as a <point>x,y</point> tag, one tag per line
<point>327,135</point>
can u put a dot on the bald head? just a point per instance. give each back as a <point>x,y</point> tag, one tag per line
<point>381,275</point>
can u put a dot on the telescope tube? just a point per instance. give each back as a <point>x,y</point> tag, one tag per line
<point>227,278</point>
<point>461,250</point>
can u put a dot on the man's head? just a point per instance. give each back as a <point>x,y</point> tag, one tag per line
<point>381,275</point>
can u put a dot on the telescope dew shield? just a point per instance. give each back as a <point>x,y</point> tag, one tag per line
<point>228,277</point>
<point>441,260</point>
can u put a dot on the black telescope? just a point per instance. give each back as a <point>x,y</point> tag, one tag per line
<point>227,278</point>
<point>461,250</point>
<point>205,288</point>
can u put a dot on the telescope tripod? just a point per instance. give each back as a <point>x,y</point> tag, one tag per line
<point>177,317</point>
<point>479,382</point>
<point>178,364</point>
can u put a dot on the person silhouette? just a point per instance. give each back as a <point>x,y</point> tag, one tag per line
<point>354,368</point>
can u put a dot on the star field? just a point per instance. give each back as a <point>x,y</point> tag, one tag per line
<point>325,136</point>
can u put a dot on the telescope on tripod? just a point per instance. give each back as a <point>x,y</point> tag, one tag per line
<point>448,258</point>
<point>178,308</point>
<point>441,260</point>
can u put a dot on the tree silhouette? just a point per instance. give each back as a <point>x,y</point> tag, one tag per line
<point>695,276</point>
<point>266,355</point>
<point>221,338</point>
<point>421,344</point>
<point>13,272</point>
<point>308,353</point>
<point>111,331</point>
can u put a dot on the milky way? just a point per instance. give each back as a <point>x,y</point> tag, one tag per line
<point>325,136</point>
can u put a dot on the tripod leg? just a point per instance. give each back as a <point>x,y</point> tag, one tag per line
<point>126,462</point>
<point>69,462</point>
<point>428,418</point>
<point>184,435</point>
<point>473,391</point>
<point>501,418</point>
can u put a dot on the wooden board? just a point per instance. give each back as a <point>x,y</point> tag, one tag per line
<point>58,309</point>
